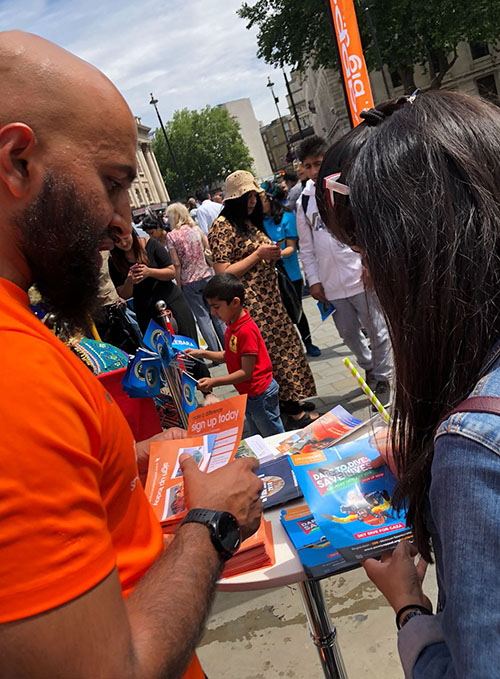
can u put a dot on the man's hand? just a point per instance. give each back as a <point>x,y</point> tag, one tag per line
<point>233,488</point>
<point>397,576</point>
<point>207,383</point>
<point>142,448</point>
<point>318,292</point>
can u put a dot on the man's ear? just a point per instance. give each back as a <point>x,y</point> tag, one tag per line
<point>17,143</point>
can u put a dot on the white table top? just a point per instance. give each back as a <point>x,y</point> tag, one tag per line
<point>288,568</point>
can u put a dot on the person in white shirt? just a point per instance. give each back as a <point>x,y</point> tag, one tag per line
<point>334,273</point>
<point>208,210</point>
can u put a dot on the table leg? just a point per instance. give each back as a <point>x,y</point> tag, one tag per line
<point>323,632</point>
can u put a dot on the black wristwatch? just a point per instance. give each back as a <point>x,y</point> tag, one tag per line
<point>224,530</point>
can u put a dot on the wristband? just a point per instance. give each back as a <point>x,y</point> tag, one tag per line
<point>422,610</point>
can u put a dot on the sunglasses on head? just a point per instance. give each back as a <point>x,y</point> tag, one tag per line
<point>333,186</point>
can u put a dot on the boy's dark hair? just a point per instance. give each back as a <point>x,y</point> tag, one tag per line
<point>291,176</point>
<point>226,287</point>
<point>311,146</point>
<point>201,195</point>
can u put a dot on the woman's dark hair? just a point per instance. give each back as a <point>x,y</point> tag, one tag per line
<point>236,211</point>
<point>225,287</point>
<point>338,158</point>
<point>425,204</point>
<point>120,261</point>
<point>276,195</point>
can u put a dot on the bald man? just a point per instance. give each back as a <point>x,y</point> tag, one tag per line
<point>86,588</point>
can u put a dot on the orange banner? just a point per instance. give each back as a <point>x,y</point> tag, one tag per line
<point>357,82</point>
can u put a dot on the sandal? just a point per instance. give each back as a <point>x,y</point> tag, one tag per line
<point>289,423</point>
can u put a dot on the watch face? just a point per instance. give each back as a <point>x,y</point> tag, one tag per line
<point>228,532</point>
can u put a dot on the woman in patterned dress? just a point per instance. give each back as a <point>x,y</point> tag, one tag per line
<point>240,246</point>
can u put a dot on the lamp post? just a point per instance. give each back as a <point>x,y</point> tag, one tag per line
<point>295,114</point>
<point>276,101</point>
<point>183,186</point>
<point>373,33</point>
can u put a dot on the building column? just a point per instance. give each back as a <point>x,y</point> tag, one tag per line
<point>156,174</point>
<point>155,198</point>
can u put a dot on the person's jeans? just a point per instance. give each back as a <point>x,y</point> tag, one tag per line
<point>210,327</point>
<point>263,412</point>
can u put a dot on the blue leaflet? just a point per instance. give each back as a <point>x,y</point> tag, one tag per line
<point>351,501</point>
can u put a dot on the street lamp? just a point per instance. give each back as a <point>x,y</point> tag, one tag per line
<point>276,101</point>
<point>184,190</point>
<point>295,114</point>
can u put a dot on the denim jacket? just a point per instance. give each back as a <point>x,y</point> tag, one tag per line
<point>463,639</point>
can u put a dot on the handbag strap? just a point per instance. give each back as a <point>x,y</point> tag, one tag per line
<point>475,404</point>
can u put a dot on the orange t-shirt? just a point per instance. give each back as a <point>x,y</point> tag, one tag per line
<point>71,504</point>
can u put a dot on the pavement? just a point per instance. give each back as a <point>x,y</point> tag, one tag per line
<point>252,635</point>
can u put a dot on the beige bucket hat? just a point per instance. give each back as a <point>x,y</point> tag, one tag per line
<point>239,183</point>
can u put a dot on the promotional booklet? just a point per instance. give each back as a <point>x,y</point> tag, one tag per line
<point>315,552</point>
<point>255,446</point>
<point>320,434</point>
<point>164,486</point>
<point>350,500</point>
<point>279,482</point>
<point>225,419</point>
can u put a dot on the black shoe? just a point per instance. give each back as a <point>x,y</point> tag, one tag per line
<point>383,393</point>
<point>370,379</point>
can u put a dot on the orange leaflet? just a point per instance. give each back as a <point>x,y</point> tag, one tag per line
<point>354,69</point>
<point>225,419</point>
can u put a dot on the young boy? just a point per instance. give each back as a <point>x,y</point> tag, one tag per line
<point>246,356</point>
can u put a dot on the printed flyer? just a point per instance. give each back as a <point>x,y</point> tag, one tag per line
<point>320,434</point>
<point>164,487</point>
<point>225,419</point>
<point>315,552</point>
<point>350,500</point>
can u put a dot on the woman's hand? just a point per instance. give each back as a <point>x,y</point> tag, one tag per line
<point>381,441</point>
<point>139,272</point>
<point>397,576</point>
<point>269,252</point>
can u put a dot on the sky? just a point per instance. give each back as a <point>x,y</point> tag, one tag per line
<point>189,53</point>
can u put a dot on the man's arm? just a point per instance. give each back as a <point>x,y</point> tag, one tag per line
<point>154,632</point>
<point>307,250</point>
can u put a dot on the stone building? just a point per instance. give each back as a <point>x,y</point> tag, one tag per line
<point>242,110</point>
<point>148,188</point>
<point>276,137</point>
<point>321,98</point>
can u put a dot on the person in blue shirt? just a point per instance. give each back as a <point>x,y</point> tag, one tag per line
<point>281,227</point>
<point>418,197</point>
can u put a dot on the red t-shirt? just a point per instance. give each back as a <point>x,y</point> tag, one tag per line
<point>243,338</point>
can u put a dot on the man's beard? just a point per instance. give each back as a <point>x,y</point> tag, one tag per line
<point>60,240</point>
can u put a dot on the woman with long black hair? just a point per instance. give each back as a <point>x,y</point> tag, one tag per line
<point>419,199</point>
<point>240,246</point>
<point>281,227</point>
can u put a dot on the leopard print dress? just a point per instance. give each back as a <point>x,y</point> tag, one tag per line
<point>263,301</point>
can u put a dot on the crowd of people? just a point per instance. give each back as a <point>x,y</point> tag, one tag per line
<point>398,226</point>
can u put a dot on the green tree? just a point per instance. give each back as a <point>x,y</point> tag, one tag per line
<point>297,33</point>
<point>207,145</point>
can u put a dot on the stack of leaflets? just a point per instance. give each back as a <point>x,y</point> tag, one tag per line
<point>255,552</point>
<point>215,433</point>
<point>279,482</point>
<point>351,500</point>
<point>320,434</point>
<point>164,483</point>
<point>316,554</point>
